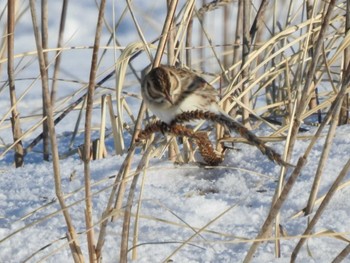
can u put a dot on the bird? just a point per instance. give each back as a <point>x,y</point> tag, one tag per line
<point>170,92</point>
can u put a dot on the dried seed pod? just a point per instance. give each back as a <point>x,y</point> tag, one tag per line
<point>157,126</point>
<point>232,125</point>
<point>204,145</point>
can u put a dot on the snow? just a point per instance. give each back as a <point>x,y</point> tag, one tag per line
<point>230,201</point>
<point>183,197</point>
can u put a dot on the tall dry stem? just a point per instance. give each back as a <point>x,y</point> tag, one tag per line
<point>342,255</point>
<point>245,54</point>
<point>309,76</point>
<point>334,108</point>
<point>160,50</point>
<point>119,186</point>
<point>127,212</point>
<point>321,209</point>
<point>310,9</point>
<point>58,54</point>
<point>237,48</point>
<point>87,138</point>
<point>15,119</point>
<point>344,117</point>
<point>171,57</point>
<point>76,251</point>
<point>328,142</point>
<point>44,40</point>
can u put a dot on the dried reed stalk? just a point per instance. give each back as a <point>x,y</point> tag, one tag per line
<point>183,30</point>
<point>335,185</point>
<point>172,154</point>
<point>342,255</point>
<point>237,47</point>
<point>178,43</point>
<point>138,214</point>
<point>160,50</point>
<point>344,117</point>
<point>258,21</point>
<point>15,119</point>
<point>101,150</point>
<point>321,209</point>
<point>201,41</point>
<point>279,187</point>
<point>124,169</point>
<point>87,137</point>
<point>245,54</point>
<point>226,32</point>
<point>77,123</point>
<point>127,213</point>
<point>189,34</point>
<point>220,130</point>
<point>113,121</point>
<point>121,66</point>
<point>75,248</point>
<point>323,160</point>
<point>44,43</point>
<point>331,133</point>
<point>58,53</point>
<point>107,212</point>
<point>309,77</point>
<point>310,10</point>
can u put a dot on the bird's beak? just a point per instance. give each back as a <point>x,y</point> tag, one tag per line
<point>168,97</point>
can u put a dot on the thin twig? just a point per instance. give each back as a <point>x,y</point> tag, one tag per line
<point>15,119</point>
<point>342,255</point>
<point>344,116</point>
<point>245,54</point>
<point>103,227</point>
<point>87,138</point>
<point>327,145</point>
<point>321,209</point>
<point>58,53</point>
<point>44,41</point>
<point>309,77</point>
<point>127,213</point>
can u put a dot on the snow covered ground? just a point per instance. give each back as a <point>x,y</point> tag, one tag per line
<point>177,200</point>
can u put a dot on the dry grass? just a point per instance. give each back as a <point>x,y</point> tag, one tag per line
<point>284,72</point>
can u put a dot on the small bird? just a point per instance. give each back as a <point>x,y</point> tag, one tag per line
<point>169,92</point>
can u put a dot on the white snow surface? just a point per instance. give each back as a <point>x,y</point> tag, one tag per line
<point>176,200</point>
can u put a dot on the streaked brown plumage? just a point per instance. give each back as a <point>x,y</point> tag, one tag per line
<point>169,91</point>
